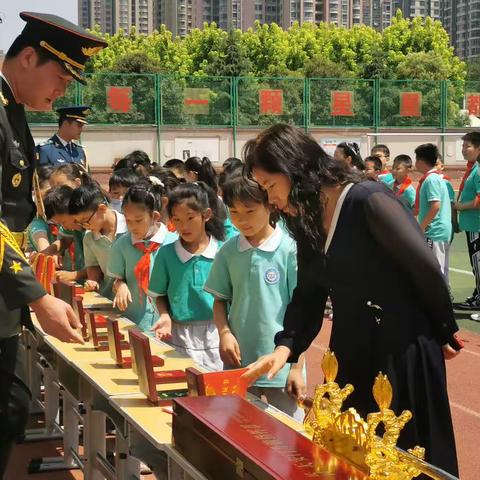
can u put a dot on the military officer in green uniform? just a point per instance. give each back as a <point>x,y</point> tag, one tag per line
<point>48,54</point>
<point>61,148</point>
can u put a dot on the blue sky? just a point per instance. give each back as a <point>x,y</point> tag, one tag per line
<point>12,24</point>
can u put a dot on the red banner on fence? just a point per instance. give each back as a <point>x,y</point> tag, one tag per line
<point>119,99</point>
<point>196,101</point>
<point>411,104</point>
<point>341,103</point>
<point>473,104</point>
<point>271,102</point>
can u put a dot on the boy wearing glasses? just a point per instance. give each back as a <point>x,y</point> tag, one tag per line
<point>103,226</point>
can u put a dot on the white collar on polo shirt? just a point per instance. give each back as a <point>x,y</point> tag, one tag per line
<point>268,245</point>
<point>121,226</point>
<point>184,255</point>
<point>158,237</point>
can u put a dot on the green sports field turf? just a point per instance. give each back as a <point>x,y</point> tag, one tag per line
<point>462,281</point>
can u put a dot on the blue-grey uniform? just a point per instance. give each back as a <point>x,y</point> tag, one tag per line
<point>55,152</point>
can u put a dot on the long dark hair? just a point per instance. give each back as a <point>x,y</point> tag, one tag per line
<point>73,171</point>
<point>199,197</point>
<point>288,151</point>
<point>147,193</point>
<point>204,170</point>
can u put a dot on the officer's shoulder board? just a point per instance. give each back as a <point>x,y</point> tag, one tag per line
<point>46,142</point>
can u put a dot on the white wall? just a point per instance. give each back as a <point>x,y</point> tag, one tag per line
<point>105,144</point>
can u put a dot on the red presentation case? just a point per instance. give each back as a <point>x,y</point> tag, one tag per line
<point>226,437</point>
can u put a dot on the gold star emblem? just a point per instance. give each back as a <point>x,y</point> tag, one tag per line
<point>16,267</point>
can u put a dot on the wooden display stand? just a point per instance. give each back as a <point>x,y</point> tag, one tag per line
<point>148,379</point>
<point>228,437</point>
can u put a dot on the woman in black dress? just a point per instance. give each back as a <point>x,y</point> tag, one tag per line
<point>391,307</point>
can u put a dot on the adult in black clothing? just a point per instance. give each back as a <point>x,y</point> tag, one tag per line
<point>38,66</point>
<point>391,307</point>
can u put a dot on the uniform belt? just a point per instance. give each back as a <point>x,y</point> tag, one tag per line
<point>22,239</point>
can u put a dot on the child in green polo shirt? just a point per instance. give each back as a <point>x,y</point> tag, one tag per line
<point>90,209</point>
<point>433,205</point>
<point>252,279</point>
<point>134,253</point>
<point>181,269</point>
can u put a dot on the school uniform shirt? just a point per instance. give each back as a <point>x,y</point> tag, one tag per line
<point>39,225</point>
<point>451,191</point>
<point>385,177</point>
<point>258,282</point>
<point>97,248</point>
<point>123,259</point>
<point>434,189</point>
<point>408,196</point>
<point>182,275</point>
<point>469,220</point>
<point>77,252</point>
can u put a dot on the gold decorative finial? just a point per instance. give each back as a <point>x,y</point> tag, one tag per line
<point>348,435</point>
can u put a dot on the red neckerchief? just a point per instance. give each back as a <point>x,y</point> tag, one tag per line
<point>401,189</point>
<point>53,229</point>
<point>171,226</point>
<point>71,252</point>
<point>420,183</point>
<point>470,165</point>
<point>142,268</point>
<point>385,172</point>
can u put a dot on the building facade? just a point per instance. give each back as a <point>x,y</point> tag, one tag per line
<point>180,16</point>
<point>461,18</point>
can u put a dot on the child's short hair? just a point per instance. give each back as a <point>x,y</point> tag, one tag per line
<point>169,179</point>
<point>382,148</point>
<point>427,152</point>
<point>137,160</point>
<point>199,196</point>
<point>473,138</point>
<point>57,200</point>
<point>123,177</point>
<point>86,198</point>
<point>242,189</point>
<point>148,193</point>
<point>43,174</point>
<point>377,163</point>
<point>73,171</point>
<point>403,160</point>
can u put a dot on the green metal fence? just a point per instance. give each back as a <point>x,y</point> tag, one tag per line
<point>167,101</point>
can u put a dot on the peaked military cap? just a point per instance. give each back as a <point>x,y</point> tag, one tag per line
<point>76,112</point>
<point>63,41</point>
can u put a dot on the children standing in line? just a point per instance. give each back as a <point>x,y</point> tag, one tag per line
<point>373,167</point>
<point>180,271</point>
<point>133,254</point>
<point>255,274</point>
<point>401,183</point>
<point>103,226</point>
<point>433,205</point>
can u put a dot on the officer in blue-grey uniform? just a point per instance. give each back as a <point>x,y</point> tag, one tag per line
<point>39,65</point>
<point>61,148</point>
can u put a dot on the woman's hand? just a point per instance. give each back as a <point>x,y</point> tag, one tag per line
<point>449,352</point>
<point>230,349</point>
<point>296,386</point>
<point>268,364</point>
<point>163,327</point>
<point>123,297</point>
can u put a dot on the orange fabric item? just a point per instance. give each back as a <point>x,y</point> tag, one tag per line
<point>142,268</point>
<point>465,176</point>
<point>420,183</point>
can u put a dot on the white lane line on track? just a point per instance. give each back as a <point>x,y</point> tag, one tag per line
<point>458,270</point>
<point>467,410</point>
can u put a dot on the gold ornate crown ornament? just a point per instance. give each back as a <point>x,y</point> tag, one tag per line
<point>348,435</point>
